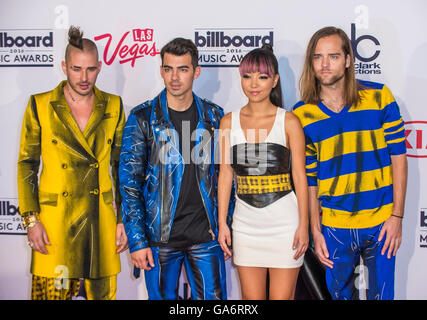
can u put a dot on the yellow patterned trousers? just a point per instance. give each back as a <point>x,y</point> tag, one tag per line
<point>64,289</point>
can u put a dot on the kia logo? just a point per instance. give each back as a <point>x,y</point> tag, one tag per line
<point>416,139</point>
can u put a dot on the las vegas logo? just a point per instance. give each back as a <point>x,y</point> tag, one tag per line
<point>125,50</point>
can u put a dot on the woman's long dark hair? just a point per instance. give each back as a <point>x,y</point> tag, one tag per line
<point>263,60</point>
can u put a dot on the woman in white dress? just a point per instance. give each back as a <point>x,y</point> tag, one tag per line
<point>270,221</point>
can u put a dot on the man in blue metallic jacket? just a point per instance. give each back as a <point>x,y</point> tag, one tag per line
<point>168,180</point>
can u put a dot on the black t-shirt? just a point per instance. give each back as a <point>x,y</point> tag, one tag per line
<point>190,225</point>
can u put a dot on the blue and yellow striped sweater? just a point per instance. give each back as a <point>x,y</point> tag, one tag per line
<point>348,156</point>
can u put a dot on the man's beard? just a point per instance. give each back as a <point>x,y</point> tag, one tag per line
<point>332,81</point>
<point>77,89</point>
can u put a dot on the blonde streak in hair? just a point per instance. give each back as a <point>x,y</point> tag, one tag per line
<point>304,80</point>
<point>351,97</point>
<point>309,90</point>
<point>309,85</point>
<point>352,92</point>
<point>351,85</point>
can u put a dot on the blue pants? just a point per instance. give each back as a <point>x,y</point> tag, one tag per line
<point>346,247</point>
<point>204,265</point>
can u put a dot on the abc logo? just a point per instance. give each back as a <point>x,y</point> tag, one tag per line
<point>356,41</point>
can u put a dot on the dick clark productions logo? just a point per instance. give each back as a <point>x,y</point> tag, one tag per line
<point>133,45</point>
<point>366,61</point>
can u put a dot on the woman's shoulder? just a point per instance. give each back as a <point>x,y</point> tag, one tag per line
<point>291,120</point>
<point>290,117</point>
<point>226,120</point>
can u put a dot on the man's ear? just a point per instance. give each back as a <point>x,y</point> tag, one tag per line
<point>347,61</point>
<point>64,67</point>
<point>197,71</point>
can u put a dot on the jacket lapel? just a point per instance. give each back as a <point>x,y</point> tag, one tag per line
<point>162,125</point>
<point>206,121</point>
<point>97,115</point>
<point>63,111</point>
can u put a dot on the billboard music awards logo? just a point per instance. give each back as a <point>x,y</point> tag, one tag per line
<point>416,139</point>
<point>10,220</point>
<point>366,52</point>
<point>133,45</point>
<point>423,228</point>
<point>226,47</point>
<point>26,48</point>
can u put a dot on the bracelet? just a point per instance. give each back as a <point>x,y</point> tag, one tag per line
<point>31,220</point>
<point>395,215</point>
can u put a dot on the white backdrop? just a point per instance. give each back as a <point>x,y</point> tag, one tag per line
<point>389,36</point>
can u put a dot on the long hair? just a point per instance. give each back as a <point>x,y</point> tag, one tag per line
<point>310,86</point>
<point>263,60</point>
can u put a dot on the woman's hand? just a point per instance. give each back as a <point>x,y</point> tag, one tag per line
<point>224,239</point>
<point>300,241</point>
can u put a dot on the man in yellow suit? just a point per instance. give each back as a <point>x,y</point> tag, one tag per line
<point>73,229</point>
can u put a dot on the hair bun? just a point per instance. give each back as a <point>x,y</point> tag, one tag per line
<point>75,37</point>
<point>267,47</point>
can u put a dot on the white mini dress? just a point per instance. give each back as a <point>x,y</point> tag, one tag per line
<point>264,222</point>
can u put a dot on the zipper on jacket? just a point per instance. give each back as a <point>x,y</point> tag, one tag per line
<point>204,205</point>
<point>212,234</point>
<point>161,203</point>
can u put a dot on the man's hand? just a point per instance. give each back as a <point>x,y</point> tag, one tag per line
<point>143,259</point>
<point>393,229</point>
<point>121,238</point>
<point>321,249</point>
<point>37,236</point>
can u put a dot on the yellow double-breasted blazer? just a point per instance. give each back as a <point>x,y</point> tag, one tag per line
<point>74,196</point>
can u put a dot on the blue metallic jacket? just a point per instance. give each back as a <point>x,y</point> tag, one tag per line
<point>151,169</point>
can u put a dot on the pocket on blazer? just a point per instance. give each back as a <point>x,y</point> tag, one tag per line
<point>110,115</point>
<point>108,196</point>
<point>48,199</point>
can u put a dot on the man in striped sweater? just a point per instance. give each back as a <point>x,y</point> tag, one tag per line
<point>356,169</point>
